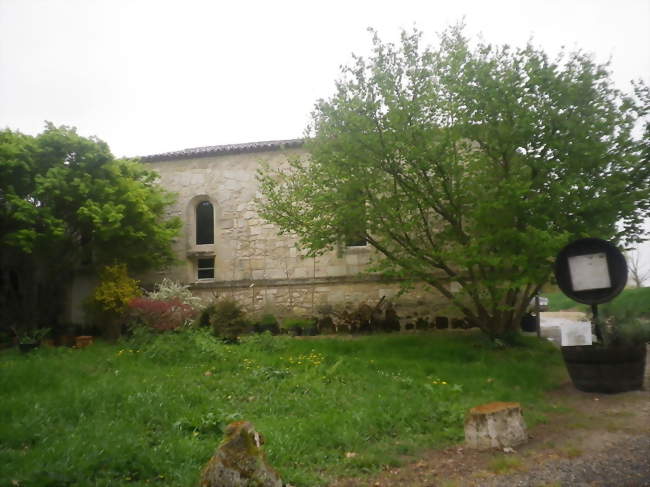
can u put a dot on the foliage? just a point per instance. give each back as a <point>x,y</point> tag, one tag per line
<point>623,330</point>
<point>266,322</point>
<point>170,290</point>
<point>67,204</point>
<point>627,331</point>
<point>171,305</point>
<point>268,319</point>
<point>558,301</point>
<point>174,347</point>
<point>161,314</point>
<point>114,292</point>
<point>631,303</point>
<point>297,322</point>
<point>627,317</point>
<point>469,166</point>
<point>226,318</point>
<point>149,411</point>
<point>32,336</point>
<point>204,316</point>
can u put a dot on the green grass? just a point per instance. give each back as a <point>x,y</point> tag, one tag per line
<point>505,464</point>
<point>635,300</point>
<point>152,413</point>
<point>558,301</point>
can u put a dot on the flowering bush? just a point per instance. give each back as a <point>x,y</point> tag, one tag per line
<point>169,290</point>
<point>161,315</point>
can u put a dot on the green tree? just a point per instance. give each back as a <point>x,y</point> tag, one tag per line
<point>67,204</point>
<point>466,164</point>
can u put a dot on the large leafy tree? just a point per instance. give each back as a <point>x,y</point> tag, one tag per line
<point>468,167</point>
<point>67,204</point>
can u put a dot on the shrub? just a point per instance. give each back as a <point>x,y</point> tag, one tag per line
<point>108,303</point>
<point>116,289</point>
<point>289,323</point>
<point>205,314</point>
<point>267,322</point>
<point>161,315</point>
<point>174,291</point>
<point>226,318</point>
<point>298,325</point>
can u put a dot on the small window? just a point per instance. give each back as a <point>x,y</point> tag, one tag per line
<point>358,240</point>
<point>205,268</point>
<point>204,223</point>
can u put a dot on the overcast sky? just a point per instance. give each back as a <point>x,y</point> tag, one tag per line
<point>149,76</point>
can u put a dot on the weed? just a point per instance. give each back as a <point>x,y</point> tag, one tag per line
<point>505,464</point>
<point>572,452</point>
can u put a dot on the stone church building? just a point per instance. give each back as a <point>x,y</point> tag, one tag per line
<point>225,247</point>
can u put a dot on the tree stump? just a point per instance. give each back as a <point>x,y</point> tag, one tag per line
<point>495,425</point>
<point>239,461</point>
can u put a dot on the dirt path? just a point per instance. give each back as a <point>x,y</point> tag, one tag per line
<point>592,440</point>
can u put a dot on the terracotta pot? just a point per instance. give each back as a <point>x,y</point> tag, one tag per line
<point>83,341</point>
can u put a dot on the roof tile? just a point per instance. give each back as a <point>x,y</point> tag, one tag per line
<point>211,150</point>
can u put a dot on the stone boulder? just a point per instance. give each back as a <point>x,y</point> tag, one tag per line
<point>239,461</point>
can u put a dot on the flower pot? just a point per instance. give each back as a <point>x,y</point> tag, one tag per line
<point>606,369</point>
<point>528,323</point>
<point>83,341</point>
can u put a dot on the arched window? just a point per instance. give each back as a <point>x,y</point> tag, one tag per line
<point>204,223</point>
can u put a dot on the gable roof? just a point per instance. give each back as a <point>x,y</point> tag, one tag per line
<point>211,150</point>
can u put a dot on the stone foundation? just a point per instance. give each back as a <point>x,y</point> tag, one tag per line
<point>329,297</point>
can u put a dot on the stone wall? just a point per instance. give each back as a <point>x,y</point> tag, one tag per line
<point>253,263</point>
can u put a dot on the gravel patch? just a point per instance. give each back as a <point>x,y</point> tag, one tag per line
<point>623,464</point>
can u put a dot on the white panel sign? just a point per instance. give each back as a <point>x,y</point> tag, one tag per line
<point>589,272</point>
<point>576,333</point>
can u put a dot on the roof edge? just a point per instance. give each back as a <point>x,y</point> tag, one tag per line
<point>192,153</point>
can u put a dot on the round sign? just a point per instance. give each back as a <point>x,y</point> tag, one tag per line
<point>591,271</point>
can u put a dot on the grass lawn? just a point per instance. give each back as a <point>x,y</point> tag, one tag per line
<point>151,411</point>
<point>633,300</point>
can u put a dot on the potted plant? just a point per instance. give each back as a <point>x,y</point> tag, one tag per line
<point>31,339</point>
<point>614,364</point>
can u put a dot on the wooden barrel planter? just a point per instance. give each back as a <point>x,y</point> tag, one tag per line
<point>606,369</point>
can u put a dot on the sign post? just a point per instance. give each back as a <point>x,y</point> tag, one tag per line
<point>591,271</point>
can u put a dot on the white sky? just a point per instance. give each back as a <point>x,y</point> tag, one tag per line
<point>151,76</point>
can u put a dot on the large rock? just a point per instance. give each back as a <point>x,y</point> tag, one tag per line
<point>495,425</point>
<point>239,461</point>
